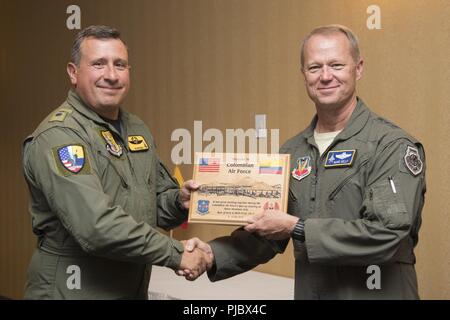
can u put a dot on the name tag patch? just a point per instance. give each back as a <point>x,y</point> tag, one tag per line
<point>137,143</point>
<point>340,158</point>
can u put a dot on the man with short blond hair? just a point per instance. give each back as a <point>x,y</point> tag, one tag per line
<point>356,194</point>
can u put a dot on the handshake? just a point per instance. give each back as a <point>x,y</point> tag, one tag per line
<point>196,259</point>
<point>198,256</point>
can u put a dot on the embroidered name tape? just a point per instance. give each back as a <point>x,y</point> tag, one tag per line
<point>340,158</point>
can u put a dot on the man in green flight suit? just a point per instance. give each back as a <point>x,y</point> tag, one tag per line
<point>98,188</point>
<point>356,192</point>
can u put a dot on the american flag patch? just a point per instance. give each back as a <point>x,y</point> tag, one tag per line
<point>209,165</point>
<point>72,157</point>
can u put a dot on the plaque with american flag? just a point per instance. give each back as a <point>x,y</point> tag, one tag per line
<point>209,164</point>
<point>234,186</point>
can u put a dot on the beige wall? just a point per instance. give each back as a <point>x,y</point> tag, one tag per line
<point>222,61</point>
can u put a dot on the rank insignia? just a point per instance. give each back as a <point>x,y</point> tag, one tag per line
<point>202,207</point>
<point>137,143</point>
<point>60,115</point>
<point>72,157</point>
<point>111,145</point>
<point>413,161</point>
<point>340,158</point>
<point>303,168</point>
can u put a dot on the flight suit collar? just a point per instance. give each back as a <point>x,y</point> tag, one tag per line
<point>357,121</point>
<point>75,101</point>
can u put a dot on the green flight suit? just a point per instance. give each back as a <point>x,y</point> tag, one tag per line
<point>95,214</point>
<point>358,215</point>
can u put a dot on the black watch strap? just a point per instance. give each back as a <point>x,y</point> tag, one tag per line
<point>299,231</point>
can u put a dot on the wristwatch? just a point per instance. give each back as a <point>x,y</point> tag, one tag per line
<point>299,231</point>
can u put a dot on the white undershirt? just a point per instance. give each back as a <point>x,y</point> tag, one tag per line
<point>323,140</point>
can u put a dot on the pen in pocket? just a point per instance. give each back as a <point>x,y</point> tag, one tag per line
<point>391,181</point>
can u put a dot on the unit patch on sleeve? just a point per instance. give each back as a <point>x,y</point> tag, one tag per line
<point>340,158</point>
<point>137,143</point>
<point>413,161</point>
<point>71,159</point>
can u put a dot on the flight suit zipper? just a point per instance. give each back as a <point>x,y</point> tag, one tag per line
<point>294,208</point>
<point>314,181</point>
<point>123,182</point>
<point>126,153</point>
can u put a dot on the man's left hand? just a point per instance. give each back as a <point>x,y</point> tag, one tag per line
<point>185,192</point>
<point>272,224</point>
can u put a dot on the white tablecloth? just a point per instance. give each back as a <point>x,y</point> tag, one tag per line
<point>252,285</point>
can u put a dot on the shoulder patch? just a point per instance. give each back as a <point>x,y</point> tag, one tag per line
<point>71,159</point>
<point>413,161</point>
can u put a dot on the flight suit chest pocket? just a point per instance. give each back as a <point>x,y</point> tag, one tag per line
<point>351,176</point>
<point>143,163</point>
<point>388,205</point>
<point>111,170</point>
<point>148,167</point>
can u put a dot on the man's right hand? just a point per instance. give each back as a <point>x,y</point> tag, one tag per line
<point>197,258</point>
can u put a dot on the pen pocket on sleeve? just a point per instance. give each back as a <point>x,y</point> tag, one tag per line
<point>389,206</point>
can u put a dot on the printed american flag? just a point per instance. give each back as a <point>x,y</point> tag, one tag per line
<point>209,165</point>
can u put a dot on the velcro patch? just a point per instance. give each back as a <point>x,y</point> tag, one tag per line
<point>111,145</point>
<point>71,159</point>
<point>340,158</point>
<point>137,143</point>
<point>413,161</point>
<point>303,168</point>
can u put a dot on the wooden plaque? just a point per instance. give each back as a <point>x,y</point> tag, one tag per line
<point>234,186</point>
